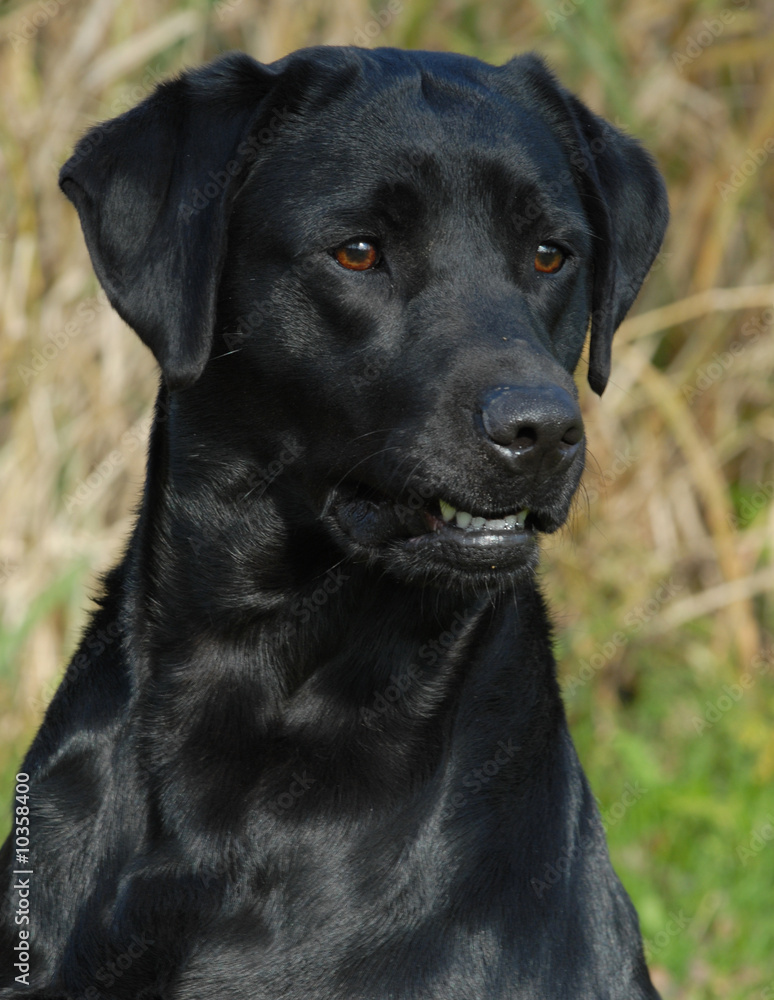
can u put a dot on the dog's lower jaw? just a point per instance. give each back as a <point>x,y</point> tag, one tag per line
<point>416,546</point>
<point>419,536</point>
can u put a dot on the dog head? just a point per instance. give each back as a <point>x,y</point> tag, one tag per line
<point>387,262</point>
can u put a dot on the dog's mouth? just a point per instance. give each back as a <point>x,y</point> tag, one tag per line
<point>474,525</point>
<point>435,533</point>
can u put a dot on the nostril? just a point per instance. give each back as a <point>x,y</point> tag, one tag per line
<point>502,428</point>
<point>526,438</point>
<point>572,435</point>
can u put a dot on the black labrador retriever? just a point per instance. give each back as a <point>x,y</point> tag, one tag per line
<point>312,746</point>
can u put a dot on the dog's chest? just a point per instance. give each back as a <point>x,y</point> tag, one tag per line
<point>447,962</point>
<point>420,934</point>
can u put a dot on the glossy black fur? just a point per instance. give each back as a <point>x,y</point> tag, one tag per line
<point>306,751</point>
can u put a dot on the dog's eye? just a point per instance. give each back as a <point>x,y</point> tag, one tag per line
<point>548,259</point>
<point>357,256</point>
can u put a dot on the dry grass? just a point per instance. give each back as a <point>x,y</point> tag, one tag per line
<point>680,484</point>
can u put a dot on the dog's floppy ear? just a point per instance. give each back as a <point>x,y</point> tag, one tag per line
<point>153,189</point>
<point>624,198</point>
<point>626,203</point>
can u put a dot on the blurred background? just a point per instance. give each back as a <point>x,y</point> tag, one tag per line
<point>662,582</point>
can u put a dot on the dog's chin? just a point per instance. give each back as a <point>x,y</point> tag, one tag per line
<point>433,542</point>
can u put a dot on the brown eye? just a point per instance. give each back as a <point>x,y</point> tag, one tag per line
<point>357,256</point>
<point>548,259</point>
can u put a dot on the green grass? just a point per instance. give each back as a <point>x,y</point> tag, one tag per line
<point>701,760</point>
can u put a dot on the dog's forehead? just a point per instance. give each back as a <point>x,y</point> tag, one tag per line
<point>406,100</point>
<point>423,121</point>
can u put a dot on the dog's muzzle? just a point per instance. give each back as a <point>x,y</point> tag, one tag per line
<point>533,441</point>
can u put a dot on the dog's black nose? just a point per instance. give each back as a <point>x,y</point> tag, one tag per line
<point>534,426</point>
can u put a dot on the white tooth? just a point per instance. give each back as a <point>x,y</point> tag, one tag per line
<point>498,525</point>
<point>511,520</point>
<point>447,511</point>
<point>477,522</point>
<point>463,519</point>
